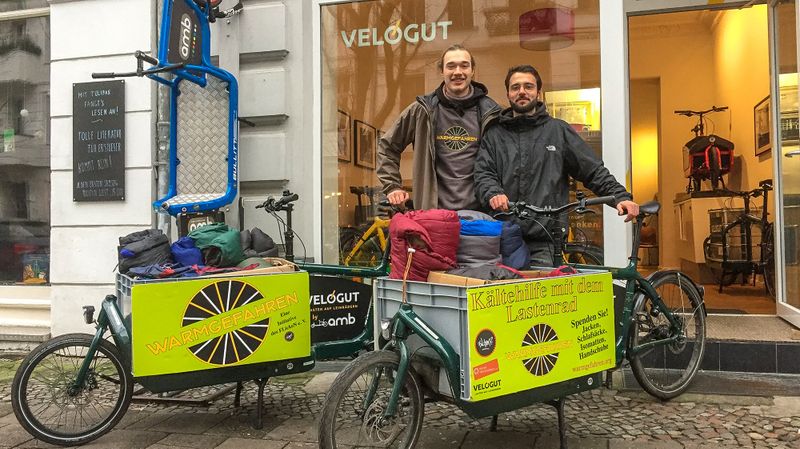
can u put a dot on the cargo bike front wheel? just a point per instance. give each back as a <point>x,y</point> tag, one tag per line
<point>665,370</point>
<point>54,407</point>
<point>353,415</point>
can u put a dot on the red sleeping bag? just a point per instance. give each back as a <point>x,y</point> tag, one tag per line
<point>432,233</point>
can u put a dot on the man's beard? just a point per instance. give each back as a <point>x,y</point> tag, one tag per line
<point>523,109</point>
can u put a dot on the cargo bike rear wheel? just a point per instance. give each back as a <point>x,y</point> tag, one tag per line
<point>353,415</point>
<point>53,408</point>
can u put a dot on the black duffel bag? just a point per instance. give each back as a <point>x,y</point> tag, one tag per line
<point>143,248</point>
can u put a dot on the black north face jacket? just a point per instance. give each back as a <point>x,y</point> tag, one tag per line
<point>530,158</point>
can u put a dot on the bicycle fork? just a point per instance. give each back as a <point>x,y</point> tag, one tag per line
<point>406,323</point>
<point>108,319</point>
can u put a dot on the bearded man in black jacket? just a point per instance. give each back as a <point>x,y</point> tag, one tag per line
<point>526,155</point>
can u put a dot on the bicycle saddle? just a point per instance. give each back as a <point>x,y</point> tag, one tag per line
<point>649,208</point>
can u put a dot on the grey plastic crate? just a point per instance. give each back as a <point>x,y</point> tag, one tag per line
<point>125,286</point>
<point>443,307</point>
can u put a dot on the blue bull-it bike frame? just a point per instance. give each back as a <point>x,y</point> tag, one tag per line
<point>184,51</point>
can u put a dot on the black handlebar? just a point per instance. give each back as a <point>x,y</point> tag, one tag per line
<point>145,57</point>
<point>141,57</point>
<point>283,203</point>
<point>763,187</point>
<point>523,210</point>
<point>690,113</point>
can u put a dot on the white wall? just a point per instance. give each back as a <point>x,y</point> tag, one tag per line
<point>88,36</point>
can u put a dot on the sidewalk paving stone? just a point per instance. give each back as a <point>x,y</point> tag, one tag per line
<point>552,441</point>
<point>509,439</point>
<point>11,437</point>
<point>321,383</point>
<point>192,441</point>
<point>241,424</point>
<point>194,423</point>
<point>622,444</point>
<point>245,443</point>
<point>441,438</point>
<point>296,430</point>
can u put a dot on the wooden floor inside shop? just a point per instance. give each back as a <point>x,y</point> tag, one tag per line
<point>736,299</point>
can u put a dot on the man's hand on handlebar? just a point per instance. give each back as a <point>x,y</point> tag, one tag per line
<point>499,203</point>
<point>628,208</point>
<point>397,197</point>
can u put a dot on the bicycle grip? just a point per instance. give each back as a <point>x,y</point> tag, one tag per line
<point>610,200</point>
<point>97,75</point>
<point>288,199</point>
<point>146,58</point>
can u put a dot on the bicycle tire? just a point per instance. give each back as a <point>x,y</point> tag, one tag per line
<point>347,240</point>
<point>715,266</point>
<point>368,427</point>
<point>582,254</point>
<point>714,169</point>
<point>666,371</point>
<point>768,260</point>
<point>59,360</point>
<point>368,255</point>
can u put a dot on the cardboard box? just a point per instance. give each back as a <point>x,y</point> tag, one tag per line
<point>440,277</point>
<point>273,265</point>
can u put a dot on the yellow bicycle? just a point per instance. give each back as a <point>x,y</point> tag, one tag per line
<point>365,248</point>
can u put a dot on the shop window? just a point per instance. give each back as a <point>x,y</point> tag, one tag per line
<point>377,56</point>
<point>25,149</point>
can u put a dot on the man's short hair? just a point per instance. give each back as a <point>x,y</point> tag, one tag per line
<point>454,47</point>
<point>524,69</point>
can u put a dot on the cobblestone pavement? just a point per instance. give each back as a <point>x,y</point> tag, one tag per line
<point>601,418</point>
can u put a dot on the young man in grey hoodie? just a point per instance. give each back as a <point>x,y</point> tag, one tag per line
<point>527,155</point>
<point>445,128</point>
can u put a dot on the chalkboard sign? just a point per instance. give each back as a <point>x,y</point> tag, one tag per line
<point>98,141</point>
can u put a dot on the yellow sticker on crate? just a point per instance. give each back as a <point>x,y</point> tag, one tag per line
<point>539,332</point>
<point>204,323</point>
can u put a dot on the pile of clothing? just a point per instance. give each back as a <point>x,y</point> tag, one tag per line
<point>210,249</point>
<point>465,243</point>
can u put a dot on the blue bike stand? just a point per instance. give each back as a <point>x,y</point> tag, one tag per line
<point>203,152</point>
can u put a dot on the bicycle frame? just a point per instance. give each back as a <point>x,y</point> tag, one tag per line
<point>378,225</point>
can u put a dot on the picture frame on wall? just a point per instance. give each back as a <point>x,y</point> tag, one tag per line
<point>345,137</point>
<point>366,142</point>
<point>762,126</point>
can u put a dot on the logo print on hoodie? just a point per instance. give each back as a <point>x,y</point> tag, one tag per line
<point>551,148</point>
<point>456,138</point>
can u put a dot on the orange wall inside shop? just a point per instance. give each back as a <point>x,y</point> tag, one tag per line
<point>722,60</point>
<point>741,62</point>
<point>674,61</point>
<point>644,139</point>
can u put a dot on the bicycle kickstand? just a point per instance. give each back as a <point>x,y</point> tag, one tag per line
<point>562,421</point>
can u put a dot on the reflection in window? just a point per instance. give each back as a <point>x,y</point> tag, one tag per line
<point>460,13</point>
<point>25,150</point>
<point>371,73</point>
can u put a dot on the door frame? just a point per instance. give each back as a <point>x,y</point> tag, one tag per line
<point>783,310</point>
<point>649,7</point>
